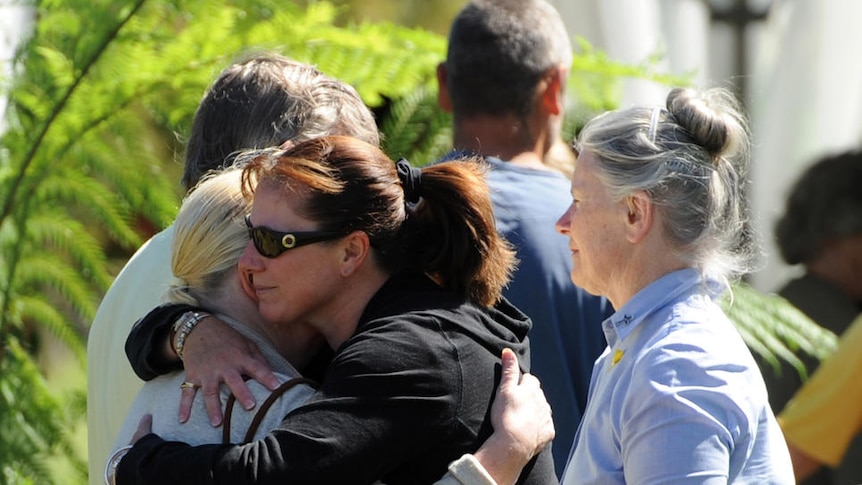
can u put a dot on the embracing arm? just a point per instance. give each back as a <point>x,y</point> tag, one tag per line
<point>522,422</point>
<point>523,426</point>
<point>213,353</point>
<point>148,340</point>
<point>359,413</point>
<point>389,406</point>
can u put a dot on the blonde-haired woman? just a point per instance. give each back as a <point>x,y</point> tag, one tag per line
<point>402,270</point>
<point>210,235</point>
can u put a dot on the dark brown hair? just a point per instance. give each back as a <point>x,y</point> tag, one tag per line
<point>350,185</point>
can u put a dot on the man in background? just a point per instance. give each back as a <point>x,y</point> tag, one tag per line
<point>504,80</point>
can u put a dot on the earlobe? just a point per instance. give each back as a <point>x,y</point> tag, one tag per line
<point>443,99</point>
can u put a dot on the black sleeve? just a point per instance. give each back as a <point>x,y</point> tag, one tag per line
<point>141,464</point>
<point>382,404</point>
<point>146,340</point>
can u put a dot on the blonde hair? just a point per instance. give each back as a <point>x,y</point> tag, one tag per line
<point>209,236</point>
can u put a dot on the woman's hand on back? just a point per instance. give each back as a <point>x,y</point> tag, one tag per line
<point>522,422</point>
<point>213,354</point>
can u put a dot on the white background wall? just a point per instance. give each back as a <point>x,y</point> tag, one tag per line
<point>803,80</point>
<point>15,21</point>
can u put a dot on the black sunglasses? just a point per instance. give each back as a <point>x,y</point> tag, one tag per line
<point>271,244</point>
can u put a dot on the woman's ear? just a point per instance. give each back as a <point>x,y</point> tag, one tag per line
<point>640,216</point>
<point>356,247</point>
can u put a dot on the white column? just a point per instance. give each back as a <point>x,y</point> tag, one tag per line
<point>630,31</point>
<point>16,21</point>
<point>807,102</point>
<point>686,28</point>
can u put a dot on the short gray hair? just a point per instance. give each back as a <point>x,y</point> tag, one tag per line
<point>692,159</point>
<point>265,101</point>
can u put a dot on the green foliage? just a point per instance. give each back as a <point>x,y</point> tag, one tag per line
<point>87,170</point>
<point>775,329</point>
<point>416,128</point>
<point>34,422</point>
<point>595,83</point>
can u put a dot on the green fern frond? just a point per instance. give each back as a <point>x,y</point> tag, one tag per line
<point>46,271</point>
<point>775,329</point>
<point>92,199</point>
<point>33,419</point>
<point>36,309</point>
<point>416,128</point>
<point>157,200</point>
<point>380,60</point>
<point>57,233</point>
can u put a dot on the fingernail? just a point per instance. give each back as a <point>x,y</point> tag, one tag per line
<point>215,422</point>
<point>248,405</point>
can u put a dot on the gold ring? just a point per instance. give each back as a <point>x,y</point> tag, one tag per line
<point>188,385</point>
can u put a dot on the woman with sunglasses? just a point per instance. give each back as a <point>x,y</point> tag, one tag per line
<point>401,272</point>
<point>209,238</point>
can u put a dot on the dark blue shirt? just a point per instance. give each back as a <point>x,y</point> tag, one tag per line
<point>566,337</point>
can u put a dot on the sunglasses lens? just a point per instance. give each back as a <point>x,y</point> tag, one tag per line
<point>271,244</point>
<point>266,243</point>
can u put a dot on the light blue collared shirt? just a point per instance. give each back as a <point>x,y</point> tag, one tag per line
<point>677,397</point>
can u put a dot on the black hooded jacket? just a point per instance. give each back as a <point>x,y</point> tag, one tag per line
<point>408,393</point>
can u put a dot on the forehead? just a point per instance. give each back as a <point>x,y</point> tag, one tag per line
<point>284,192</point>
<point>273,203</point>
<point>584,177</point>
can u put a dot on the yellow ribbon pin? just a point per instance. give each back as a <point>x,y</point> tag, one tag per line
<point>617,356</point>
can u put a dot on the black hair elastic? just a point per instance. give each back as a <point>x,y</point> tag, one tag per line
<point>411,180</point>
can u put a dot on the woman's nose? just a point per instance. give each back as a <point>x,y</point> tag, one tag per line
<point>250,260</point>
<point>562,224</point>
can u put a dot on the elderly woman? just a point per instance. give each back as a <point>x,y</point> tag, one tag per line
<point>209,238</point>
<point>657,225</point>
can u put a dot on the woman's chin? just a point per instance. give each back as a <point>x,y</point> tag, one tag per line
<point>583,284</point>
<point>270,314</point>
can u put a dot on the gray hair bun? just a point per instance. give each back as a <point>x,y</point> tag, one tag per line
<point>713,118</point>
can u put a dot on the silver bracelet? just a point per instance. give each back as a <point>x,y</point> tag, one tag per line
<point>113,463</point>
<point>183,327</point>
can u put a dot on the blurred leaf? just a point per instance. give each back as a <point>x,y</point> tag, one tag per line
<point>775,329</point>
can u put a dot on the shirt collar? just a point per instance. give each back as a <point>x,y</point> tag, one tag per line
<point>645,302</point>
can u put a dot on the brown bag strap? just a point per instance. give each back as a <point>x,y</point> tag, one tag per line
<point>228,412</point>
<point>273,396</point>
<point>262,410</point>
